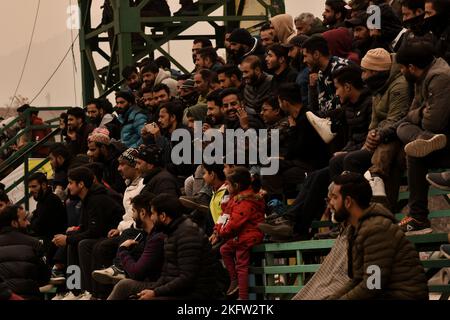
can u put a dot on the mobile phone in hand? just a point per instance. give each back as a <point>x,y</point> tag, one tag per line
<point>138,238</point>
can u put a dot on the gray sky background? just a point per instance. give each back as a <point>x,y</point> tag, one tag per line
<point>52,40</point>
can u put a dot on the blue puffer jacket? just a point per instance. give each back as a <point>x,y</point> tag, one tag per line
<point>132,123</point>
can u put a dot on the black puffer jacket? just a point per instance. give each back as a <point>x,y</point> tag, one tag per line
<point>190,267</point>
<point>356,118</point>
<point>99,214</point>
<point>160,181</point>
<point>378,241</point>
<point>50,216</point>
<point>22,268</point>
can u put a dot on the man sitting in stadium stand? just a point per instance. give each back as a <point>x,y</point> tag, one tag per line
<point>22,267</point>
<point>437,20</point>
<point>237,114</point>
<point>100,115</point>
<point>50,216</point>
<point>105,250</point>
<point>78,131</point>
<point>307,24</point>
<point>147,267</point>
<point>242,45</point>
<point>200,42</point>
<point>207,58</point>
<point>301,137</point>
<point>170,119</point>
<point>266,33</point>
<point>133,81</point>
<point>62,161</point>
<point>99,215</point>
<point>152,75</point>
<point>258,84</point>
<point>278,64</point>
<point>283,28</point>
<point>230,77</point>
<point>157,180</point>
<point>322,93</point>
<point>103,151</point>
<point>190,267</point>
<point>335,13</point>
<point>426,127</point>
<point>132,119</point>
<point>377,245</point>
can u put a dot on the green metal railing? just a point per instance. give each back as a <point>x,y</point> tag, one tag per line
<point>23,154</point>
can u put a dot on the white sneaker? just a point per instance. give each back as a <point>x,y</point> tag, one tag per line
<point>60,296</point>
<point>85,296</point>
<point>110,275</point>
<point>377,185</point>
<point>322,126</point>
<point>71,296</point>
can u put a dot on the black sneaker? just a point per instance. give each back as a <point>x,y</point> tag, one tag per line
<point>57,277</point>
<point>199,202</point>
<point>331,234</point>
<point>280,227</point>
<point>411,226</point>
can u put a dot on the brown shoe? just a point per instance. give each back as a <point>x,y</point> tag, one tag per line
<point>233,288</point>
<point>196,203</point>
<point>421,148</point>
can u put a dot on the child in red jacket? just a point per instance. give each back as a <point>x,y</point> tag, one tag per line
<point>245,210</point>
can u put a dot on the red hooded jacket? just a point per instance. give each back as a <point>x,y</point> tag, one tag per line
<point>246,211</point>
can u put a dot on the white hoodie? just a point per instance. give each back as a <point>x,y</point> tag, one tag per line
<point>165,78</point>
<point>130,192</point>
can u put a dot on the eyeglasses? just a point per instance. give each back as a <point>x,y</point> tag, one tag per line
<point>231,104</point>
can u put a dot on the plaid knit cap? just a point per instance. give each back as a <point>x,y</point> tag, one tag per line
<point>100,135</point>
<point>129,156</point>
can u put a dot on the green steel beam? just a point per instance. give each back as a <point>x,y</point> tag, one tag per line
<point>87,73</point>
<point>128,45</point>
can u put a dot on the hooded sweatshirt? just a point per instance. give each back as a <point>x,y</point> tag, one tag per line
<point>245,211</point>
<point>283,25</point>
<point>165,78</point>
<point>317,27</point>
<point>99,214</point>
<point>340,43</point>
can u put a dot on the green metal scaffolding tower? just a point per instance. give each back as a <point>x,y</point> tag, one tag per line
<point>128,43</point>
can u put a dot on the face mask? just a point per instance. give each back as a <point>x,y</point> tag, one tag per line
<point>377,81</point>
<point>416,25</point>
<point>435,24</point>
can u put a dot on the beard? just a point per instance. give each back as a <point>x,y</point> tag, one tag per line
<point>135,86</point>
<point>410,77</point>
<point>329,21</point>
<point>96,121</point>
<point>252,80</point>
<point>275,66</point>
<point>160,227</point>
<point>138,222</point>
<point>238,54</point>
<point>340,215</point>
<point>39,196</point>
